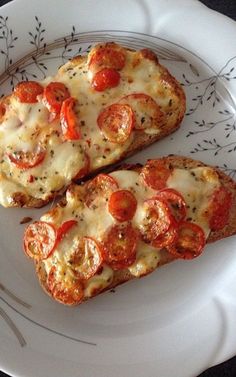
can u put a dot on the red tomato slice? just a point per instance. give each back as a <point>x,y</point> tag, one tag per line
<point>176,202</point>
<point>27,160</point>
<point>85,169</point>
<point>54,95</point>
<point>40,240</point>
<point>155,174</point>
<point>219,208</point>
<point>87,259</point>
<point>100,188</point>
<point>107,57</point>
<point>69,293</point>
<point>166,239</point>
<point>190,241</point>
<point>157,221</point>
<point>28,91</point>
<point>64,228</point>
<point>105,79</point>
<point>116,122</point>
<point>119,243</point>
<point>147,112</point>
<point>2,110</point>
<point>122,205</point>
<point>69,120</point>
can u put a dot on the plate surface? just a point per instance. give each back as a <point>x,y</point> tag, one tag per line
<point>181,319</point>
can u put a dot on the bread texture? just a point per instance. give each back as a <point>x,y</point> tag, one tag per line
<point>37,184</point>
<point>124,275</point>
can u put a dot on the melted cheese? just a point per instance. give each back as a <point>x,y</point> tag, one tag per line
<point>25,126</point>
<point>99,282</point>
<point>147,259</point>
<point>21,122</point>
<point>130,180</point>
<point>7,191</point>
<point>196,186</point>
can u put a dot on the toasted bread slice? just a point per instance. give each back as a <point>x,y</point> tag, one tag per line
<point>97,110</point>
<point>118,242</point>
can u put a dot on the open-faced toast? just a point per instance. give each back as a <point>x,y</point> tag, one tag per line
<point>95,111</point>
<point>125,224</point>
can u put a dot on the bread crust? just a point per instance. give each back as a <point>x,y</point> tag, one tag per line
<point>122,276</point>
<point>173,117</point>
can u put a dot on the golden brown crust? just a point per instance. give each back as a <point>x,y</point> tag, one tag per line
<point>23,200</point>
<point>148,54</point>
<point>123,276</point>
<point>19,199</point>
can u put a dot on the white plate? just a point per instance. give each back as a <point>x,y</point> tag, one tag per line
<point>181,319</point>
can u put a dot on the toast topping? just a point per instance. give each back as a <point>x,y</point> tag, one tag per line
<point>120,222</point>
<point>90,110</point>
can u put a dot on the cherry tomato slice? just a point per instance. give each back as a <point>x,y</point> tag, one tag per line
<point>166,239</point>
<point>54,95</point>
<point>176,202</point>
<point>69,120</point>
<point>27,160</point>
<point>86,259</point>
<point>155,174</point>
<point>219,208</point>
<point>190,241</point>
<point>107,57</point>
<point>147,112</point>
<point>119,244</point>
<point>105,79</point>
<point>69,293</point>
<point>64,228</point>
<point>100,188</point>
<point>122,205</point>
<point>28,91</point>
<point>2,110</point>
<point>85,169</point>
<point>40,240</point>
<point>157,221</point>
<point>116,122</point>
